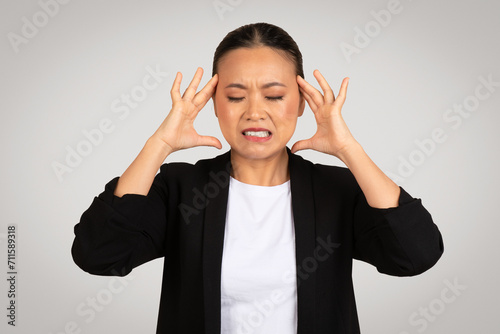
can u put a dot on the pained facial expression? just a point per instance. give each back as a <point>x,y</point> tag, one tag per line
<point>257,101</point>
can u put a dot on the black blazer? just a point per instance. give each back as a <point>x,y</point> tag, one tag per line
<point>182,219</point>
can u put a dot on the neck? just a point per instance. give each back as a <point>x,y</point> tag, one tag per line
<point>270,171</point>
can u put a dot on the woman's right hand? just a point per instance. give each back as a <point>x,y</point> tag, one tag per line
<point>177,131</point>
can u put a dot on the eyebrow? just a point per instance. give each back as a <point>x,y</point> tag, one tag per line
<point>267,85</point>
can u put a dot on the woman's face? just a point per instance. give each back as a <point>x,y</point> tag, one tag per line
<point>257,101</point>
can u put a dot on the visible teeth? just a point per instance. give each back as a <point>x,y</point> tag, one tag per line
<point>257,133</point>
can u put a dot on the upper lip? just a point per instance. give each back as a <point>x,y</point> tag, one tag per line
<point>255,129</point>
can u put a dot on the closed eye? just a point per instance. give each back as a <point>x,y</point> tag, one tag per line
<point>270,98</point>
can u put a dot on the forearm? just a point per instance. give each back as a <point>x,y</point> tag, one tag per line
<point>379,190</point>
<point>139,176</point>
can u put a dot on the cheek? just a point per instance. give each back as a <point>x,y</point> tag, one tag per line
<point>291,111</point>
<point>222,107</point>
<point>288,118</point>
<point>227,117</point>
<point>225,112</point>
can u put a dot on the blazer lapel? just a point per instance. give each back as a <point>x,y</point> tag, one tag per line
<point>213,239</point>
<point>305,243</point>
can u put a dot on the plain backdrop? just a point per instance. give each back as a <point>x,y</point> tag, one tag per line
<point>65,68</point>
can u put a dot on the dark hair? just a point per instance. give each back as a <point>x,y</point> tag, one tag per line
<point>258,35</point>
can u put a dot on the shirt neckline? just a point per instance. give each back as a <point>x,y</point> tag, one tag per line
<point>241,186</point>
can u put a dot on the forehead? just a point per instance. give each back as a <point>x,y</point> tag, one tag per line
<point>255,61</point>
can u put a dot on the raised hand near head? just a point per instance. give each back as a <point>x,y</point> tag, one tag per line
<point>332,135</point>
<point>177,130</point>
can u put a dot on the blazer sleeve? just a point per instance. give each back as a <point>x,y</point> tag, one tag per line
<point>400,241</point>
<point>116,234</point>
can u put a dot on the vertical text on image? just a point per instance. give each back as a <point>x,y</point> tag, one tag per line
<point>12,275</point>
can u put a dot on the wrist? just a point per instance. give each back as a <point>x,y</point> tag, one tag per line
<point>350,152</point>
<point>156,144</point>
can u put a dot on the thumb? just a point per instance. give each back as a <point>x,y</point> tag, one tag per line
<point>209,141</point>
<point>302,145</point>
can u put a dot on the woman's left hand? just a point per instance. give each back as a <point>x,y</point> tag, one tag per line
<point>332,136</point>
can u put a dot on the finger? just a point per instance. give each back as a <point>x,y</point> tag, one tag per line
<point>309,100</point>
<point>302,145</point>
<point>206,93</point>
<point>209,141</point>
<point>307,96</point>
<point>343,92</point>
<point>175,92</point>
<point>315,94</point>
<point>327,90</point>
<point>193,85</point>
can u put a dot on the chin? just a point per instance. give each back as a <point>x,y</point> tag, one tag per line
<point>258,152</point>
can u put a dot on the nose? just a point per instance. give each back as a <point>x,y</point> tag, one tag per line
<point>255,110</point>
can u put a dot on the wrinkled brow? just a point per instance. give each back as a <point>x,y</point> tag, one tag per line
<point>267,85</point>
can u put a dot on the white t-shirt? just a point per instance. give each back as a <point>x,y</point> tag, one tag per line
<point>258,282</point>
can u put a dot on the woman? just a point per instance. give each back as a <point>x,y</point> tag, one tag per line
<point>256,240</point>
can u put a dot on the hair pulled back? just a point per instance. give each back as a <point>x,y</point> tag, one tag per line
<point>260,35</point>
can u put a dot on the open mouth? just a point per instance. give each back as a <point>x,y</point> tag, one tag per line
<point>261,134</point>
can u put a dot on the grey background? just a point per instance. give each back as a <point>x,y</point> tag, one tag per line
<point>429,57</point>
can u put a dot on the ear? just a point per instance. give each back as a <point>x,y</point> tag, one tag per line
<point>302,104</point>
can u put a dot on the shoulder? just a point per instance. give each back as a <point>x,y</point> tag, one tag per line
<point>327,184</point>
<point>201,168</point>
<point>321,172</point>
